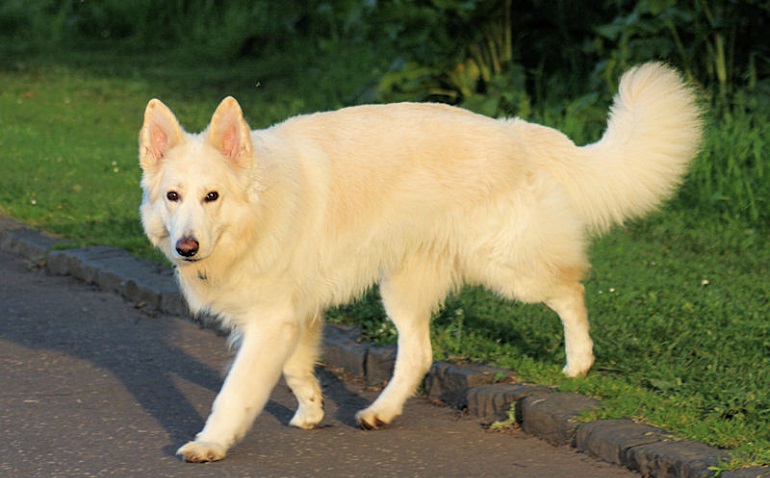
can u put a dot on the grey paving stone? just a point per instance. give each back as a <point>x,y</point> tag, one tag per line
<point>26,242</point>
<point>80,262</point>
<point>380,360</point>
<point>342,350</point>
<point>492,402</point>
<point>552,416</point>
<point>172,302</point>
<point>61,263</point>
<point>139,280</point>
<point>747,473</point>
<point>611,440</point>
<point>682,459</point>
<point>450,382</point>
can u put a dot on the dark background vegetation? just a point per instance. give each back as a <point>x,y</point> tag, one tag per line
<point>553,61</point>
<point>445,49</point>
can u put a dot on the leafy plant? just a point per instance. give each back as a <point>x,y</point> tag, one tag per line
<point>712,42</point>
<point>508,423</point>
<point>470,60</point>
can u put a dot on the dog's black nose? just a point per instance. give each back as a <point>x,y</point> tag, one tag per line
<point>187,246</point>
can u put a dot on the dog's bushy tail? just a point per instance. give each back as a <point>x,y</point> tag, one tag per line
<point>653,133</point>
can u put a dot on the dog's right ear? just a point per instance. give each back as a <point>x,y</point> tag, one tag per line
<point>160,132</point>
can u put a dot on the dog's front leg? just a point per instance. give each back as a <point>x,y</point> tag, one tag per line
<point>264,349</point>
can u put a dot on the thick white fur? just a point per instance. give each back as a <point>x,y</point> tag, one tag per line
<point>422,197</point>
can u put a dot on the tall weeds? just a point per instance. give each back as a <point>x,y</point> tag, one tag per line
<point>732,175</point>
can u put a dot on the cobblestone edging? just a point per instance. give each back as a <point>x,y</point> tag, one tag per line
<point>481,390</point>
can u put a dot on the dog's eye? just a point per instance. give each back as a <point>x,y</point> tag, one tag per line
<point>212,196</point>
<point>172,196</point>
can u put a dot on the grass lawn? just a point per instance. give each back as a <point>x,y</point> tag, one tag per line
<point>69,128</point>
<point>679,301</point>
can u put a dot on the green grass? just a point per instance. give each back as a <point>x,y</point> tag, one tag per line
<point>679,302</point>
<point>66,143</point>
<point>69,128</point>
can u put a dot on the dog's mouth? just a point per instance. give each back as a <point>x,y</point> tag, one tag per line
<point>189,260</point>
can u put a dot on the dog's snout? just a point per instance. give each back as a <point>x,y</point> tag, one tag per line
<point>187,246</point>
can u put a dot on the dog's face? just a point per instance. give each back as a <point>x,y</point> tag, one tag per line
<point>193,185</point>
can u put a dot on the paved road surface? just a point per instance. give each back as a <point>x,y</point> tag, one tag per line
<point>92,386</point>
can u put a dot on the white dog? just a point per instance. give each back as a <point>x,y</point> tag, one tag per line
<point>268,228</point>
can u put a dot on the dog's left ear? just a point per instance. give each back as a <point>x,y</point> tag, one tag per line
<point>229,133</point>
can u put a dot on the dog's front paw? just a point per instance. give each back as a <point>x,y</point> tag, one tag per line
<point>370,419</point>
<point>307,418</point>
<point>201,452</point>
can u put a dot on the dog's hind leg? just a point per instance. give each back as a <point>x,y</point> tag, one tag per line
<point>569,303</point>
<point>409,296</point>
<point>298,372</point>
<point>564,294</point>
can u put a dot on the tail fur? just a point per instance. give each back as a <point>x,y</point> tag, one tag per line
<point>653,133</point>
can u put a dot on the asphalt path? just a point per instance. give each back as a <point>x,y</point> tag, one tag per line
<point>91,385</point>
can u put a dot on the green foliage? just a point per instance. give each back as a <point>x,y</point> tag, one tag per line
<point>508,423</point>
<point>204,29</point>
<point>472,52</point>
<point>498,58</point>
<point>716,43</point>
<point>370,318</point>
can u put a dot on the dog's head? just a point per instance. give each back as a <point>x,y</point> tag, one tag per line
<point>195,186</point>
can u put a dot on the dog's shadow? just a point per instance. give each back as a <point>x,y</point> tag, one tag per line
<point>341,401</point>
<point>165,368</point>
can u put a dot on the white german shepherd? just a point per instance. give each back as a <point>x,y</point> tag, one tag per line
<point>267,228</point>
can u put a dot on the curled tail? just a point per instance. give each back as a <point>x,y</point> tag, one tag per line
<point>653,133</point>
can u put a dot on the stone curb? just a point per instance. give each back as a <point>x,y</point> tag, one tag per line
<point>483,391</point>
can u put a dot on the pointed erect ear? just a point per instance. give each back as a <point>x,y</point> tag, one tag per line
<point>229,133</point>
<point>160,132</point>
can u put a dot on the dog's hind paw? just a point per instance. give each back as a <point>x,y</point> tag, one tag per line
<point>201,452</point>
<point>578,368</point>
